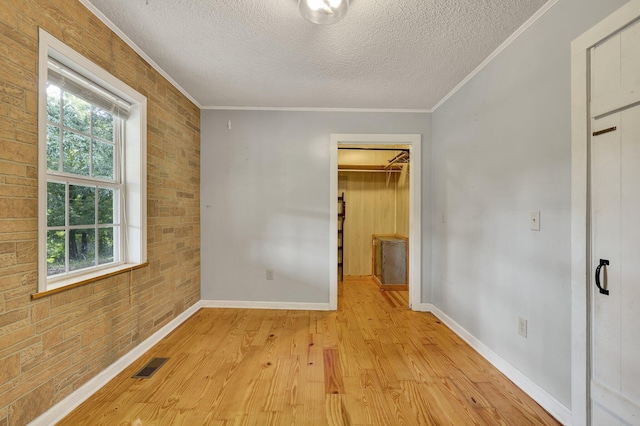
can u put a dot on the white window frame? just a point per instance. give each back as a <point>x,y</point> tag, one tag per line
<point>134,160</point>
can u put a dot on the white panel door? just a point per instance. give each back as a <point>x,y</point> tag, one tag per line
<point>615,229</point>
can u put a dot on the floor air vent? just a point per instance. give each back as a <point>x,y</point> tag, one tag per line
<point>150,369</point>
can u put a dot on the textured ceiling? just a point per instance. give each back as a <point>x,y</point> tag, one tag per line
<point>385,54</point>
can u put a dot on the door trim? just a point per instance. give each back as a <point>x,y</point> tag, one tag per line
<point>580,206</point>
<point>414,141</point>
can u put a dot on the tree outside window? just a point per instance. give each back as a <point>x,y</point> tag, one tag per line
<point>83,184</point>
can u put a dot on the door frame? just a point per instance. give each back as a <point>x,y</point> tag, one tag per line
<point>414,142</point>
<point>580,206</point>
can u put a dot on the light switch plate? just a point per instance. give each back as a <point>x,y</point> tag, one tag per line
<point>535,221</point>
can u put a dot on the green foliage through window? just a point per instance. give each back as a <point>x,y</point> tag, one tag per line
<point>83,189</point>
<point>85,135</point>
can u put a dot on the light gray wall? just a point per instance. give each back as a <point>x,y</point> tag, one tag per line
<point>501,149</point>
<point>265,199</point>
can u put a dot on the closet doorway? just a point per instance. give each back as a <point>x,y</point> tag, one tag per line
<point>375,209</point>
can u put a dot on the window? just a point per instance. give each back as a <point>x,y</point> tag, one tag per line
<point>83,178</point>
<point>92,203</point>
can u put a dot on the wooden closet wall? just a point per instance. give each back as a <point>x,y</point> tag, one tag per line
<point>372,207</point>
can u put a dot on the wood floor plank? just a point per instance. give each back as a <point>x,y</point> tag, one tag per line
<point>401,409</point>
<point>355,401</point>
<point>314,370</point>
<point>237,382</point>
<point>335,410</point>
<point>277,390</point>
<point>448,405</point>
<point>314,408</point>
<point>396,361</point>
<point>379,409</point>
<point>355,355</point>
<point>414,395</point>
<point>373,362</point>
<point>200,386</point>
<point>383,369</point>
<point>509,402</point>
<point>333,380</point>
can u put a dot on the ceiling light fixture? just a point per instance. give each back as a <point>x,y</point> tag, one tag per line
<point>323,11</point>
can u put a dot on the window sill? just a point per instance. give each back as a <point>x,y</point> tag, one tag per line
<point>75,282</point>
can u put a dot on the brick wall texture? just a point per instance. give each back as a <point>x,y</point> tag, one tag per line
<point>51,346</point>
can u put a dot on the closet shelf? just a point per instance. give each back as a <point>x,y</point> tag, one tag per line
<point>342,212</point>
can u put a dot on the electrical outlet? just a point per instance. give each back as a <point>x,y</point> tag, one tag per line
<point>269,274</point>
<point>522,327</point>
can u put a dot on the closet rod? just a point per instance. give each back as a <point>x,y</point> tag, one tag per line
<point>375,167</point>
<point>377,149</point>
<point>370,171</point>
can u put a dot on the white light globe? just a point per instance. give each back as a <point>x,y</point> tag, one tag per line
<point>323,11</point>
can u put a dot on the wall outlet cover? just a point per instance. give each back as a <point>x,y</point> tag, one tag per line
<point>522,327</point>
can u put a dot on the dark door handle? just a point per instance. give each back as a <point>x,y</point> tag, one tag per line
<point>603,262</point>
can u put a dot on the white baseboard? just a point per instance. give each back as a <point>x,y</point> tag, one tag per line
<point>549,403</point>
<point>241,304</point>
<point>64,407</point>
<point>422,307</point>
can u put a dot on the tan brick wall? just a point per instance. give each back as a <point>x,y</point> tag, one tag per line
<point>51,346</point>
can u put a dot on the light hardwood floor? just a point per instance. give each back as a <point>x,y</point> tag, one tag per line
<point>371,363</point>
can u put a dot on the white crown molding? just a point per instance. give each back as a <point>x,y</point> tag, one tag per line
<point>73,400</point>
<point>312,109</point>
<point>549,403</point>
<point>101,16</point>
<point>544,9</point>
<point>242,304</point>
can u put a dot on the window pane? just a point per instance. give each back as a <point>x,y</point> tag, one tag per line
<point>102,124</point>
<point>102,160</point>
<point>76,153</point>
<point>55,252</point>
<point>77,113</point>
<point>82,205</point>
<point>105,245</point>
<point>53,148</point>
<point>55,204</point>
<point>82,248</point>
<point>105,205</point>
<point>53,103</point>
